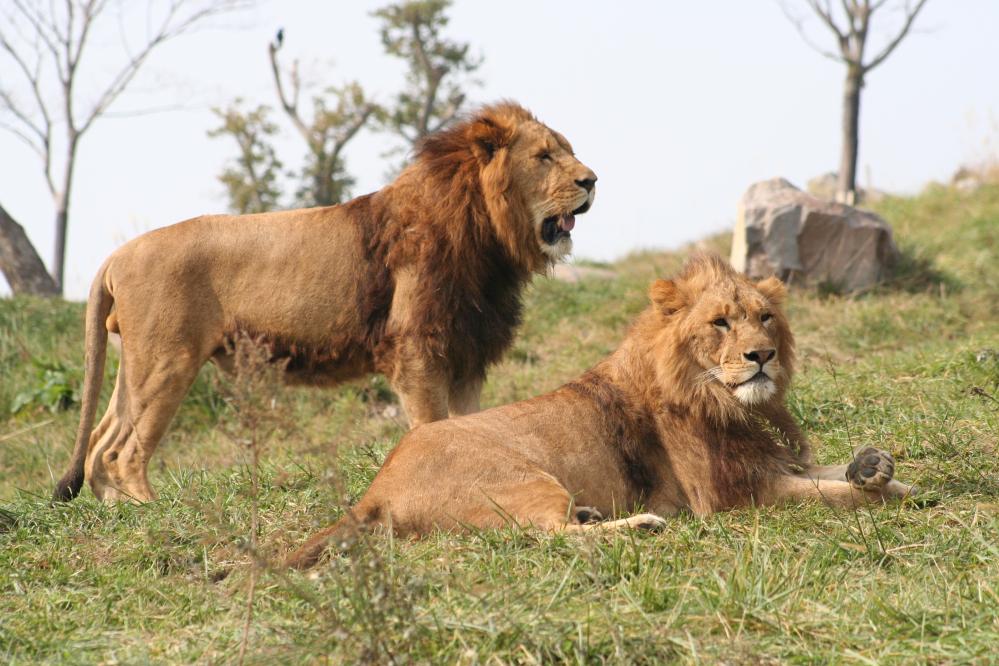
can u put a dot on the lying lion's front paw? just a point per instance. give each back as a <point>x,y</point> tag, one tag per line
<point>871,468</point>
<point>588,514</point>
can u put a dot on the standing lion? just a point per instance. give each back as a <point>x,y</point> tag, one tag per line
<point>420,281</point>
<point>687,415</point>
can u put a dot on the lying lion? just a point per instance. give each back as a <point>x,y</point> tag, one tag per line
<point>687,414</point>
<point>420,281</point>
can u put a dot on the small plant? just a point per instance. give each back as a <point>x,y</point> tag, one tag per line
<point>54,389</point>
<point>253,393</point>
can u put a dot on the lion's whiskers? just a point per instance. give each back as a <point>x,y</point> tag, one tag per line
<point>709,375</point>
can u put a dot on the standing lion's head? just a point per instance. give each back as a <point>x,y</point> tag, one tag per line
<point>531,184</point>
<point>722,341</point>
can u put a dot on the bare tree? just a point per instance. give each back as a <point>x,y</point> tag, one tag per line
<point>850,24</point>
<point>324,177</point>
<point>433,96</point>
<point>44,44</point>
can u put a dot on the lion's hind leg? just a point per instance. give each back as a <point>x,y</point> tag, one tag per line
<point>546,504</point>
<point>639,521</point>
<point>147,395</point>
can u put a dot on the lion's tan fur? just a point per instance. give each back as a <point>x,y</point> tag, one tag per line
<point>645,427</point>
<point>420,281</point>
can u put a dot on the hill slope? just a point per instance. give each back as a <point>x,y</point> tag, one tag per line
<point>912,367</point>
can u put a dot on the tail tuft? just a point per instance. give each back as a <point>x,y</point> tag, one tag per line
<point>69,486</point>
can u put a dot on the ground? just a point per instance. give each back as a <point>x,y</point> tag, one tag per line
<point>912,367</point>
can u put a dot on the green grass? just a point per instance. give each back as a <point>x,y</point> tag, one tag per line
<point>904,367</point>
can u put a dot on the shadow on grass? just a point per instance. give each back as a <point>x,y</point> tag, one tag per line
<point>912,273</point>
<point>915,273</point>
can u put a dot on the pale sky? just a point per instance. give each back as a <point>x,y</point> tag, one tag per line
<point>677,106</point>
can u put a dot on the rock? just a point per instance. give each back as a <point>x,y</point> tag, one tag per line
<point>824,187</point>
<point>803,240</point>
<point>966,180</point>
<point>574,273</point>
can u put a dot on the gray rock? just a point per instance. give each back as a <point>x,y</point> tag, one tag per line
<point>803,240</point>
<point>966,180</point>
<point>575,273</point>
<point>824,187</point>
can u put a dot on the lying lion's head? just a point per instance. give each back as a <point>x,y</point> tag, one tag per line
<point>724,336</point>
<point>531,182</point>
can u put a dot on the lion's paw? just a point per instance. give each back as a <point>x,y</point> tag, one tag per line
<point>588,514</point>
<point>871,468</point>
<point>646,521</point>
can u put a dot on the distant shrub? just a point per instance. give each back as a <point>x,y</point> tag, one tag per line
<point>55,389</point>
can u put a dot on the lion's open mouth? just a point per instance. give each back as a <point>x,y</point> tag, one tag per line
<point>557,227</point>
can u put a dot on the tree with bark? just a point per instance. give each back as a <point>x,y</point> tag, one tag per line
<point>437,67</point>
<point>42,46</point>
<point>21,266</point>
<point>337,116</point>
<point>850,24</point>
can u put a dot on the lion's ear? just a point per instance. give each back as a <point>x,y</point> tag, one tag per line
<point>486,137</point>
<point>773,289</point>
<point>666,296</point>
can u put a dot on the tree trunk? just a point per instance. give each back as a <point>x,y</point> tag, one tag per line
<point>62,214</point>
<point>59,260</point>
<point>846,187</point>
<point>20,263</point>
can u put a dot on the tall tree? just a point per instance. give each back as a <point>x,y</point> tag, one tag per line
<point>337,116</point>
<point>251,180</point>
<point>42,45</point>
<point>437,67</point>
<point>850,25</point>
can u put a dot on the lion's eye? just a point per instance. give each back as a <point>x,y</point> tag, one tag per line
<point>545,157</point>
<point>720,322</point>
<point>766,317</point>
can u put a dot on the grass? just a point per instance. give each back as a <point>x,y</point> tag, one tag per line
<point>906,367</point>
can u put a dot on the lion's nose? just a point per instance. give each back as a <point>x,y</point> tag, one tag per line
<point>587,183</point>
<point>760,356</point>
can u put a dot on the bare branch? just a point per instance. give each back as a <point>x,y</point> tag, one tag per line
<point>825,13</point>
<point>44,31</point>
<point>799,25</point>
<point>290,106</point>
<point>23,137</point>
<point>166,32</point>
<point>33,77</point>
<point>910,16</point>
<point>23,117</point>
<point>344,137</point>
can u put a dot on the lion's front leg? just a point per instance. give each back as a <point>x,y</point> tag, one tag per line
<point>871,470</point>
<point>463,397</point>
<point>422,385</point>
<point>424,404</point>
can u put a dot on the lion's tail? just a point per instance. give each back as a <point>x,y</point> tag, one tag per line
<point>98,308</point>
<point>338,535</point>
